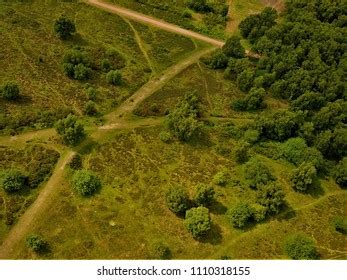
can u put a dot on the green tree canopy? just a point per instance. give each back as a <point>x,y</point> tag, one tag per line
<point>71,131</point>
<point>64,27</point>
<point>85,182</point>
<point>300,247</point>
<point>198,221</point>
<point>177,200</point>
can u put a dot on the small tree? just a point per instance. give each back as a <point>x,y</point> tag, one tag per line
<point>303,177</point>
<point>36,243</point>
<point>340,173</point>
<point>300,247</point>
<point>198,5</point>
<point>85,182</point>
<point>233,47</point>
<point>177,200</point>
<point>204,195</point>
<point>71,131</point>
<point>11,91</point>
<point>13,180</point>
<point>257,173</point>
<point>271,196</point>
<point>64,27</point>
<point>90,108</point>
<point>81,72</point>
<point>114,77</point>
<point>241,151</point>
<point>240,215</point>
<point>198,221</point>
<point>221,178</point>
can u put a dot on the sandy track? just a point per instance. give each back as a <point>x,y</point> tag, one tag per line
<point>153,21</point>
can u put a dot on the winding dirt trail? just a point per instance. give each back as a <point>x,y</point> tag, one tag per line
<point>38,208</point>
<point>153,21</point>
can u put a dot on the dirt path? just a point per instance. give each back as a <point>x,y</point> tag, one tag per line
<point>151,87</point>
<point>33,213</point>
<point>153,21</point>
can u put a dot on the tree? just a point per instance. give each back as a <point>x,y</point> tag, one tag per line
<point>218,60</point>
<point>303,177</point>
<point>340,173</point>
<point>13,180</point>
<point>271,197</point>
<point>198,5</point>
<point>240,215</point>
<point>177,200</point>
<point>114,77</point>
<point>64,27</point>
<point>254,100</point>
<point>36,243</point>
<point>245,80</point>
<point>11,91</point>
<point>198,221</point>
<point>241,151</point>
<point>76,65</point>
<point>90,108</point>
<point>300,247</point>
<point>71,131</point>
<point>204,195</point>
<point>81,72</point>
<point>233,47</point>
<point>85,182</point>
<point>257,173</point>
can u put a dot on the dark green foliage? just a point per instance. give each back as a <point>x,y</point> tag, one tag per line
<point>90,108</point>
<point>241,151</point>
<point>114,77</point>
<point>218,60</point>
<point>81,72</point>
<point>76,65</point>
<point>10,91</point>
<point>254,100</point>
<point>91,93</point>
<point>13,180</point>
<point>251,136</point>
<point>240,215</point>
<point>332,145</point>
<point>198,221</point>
<point>340,173</point>
<point>257,173</point>
<point>199,5</point>
<point>204,195</point>
<point>271,197</point>
<point>64,27</point>
<point>182,121</point>
<point>340,224</point>
<point>300,247</point>
<point>233,47</point>
<point>106,65</point>
<point>85,182</point>
<point>177,200</point>
<point>237,66</point>
<point>303,177</point>
<point>71,131</point>
<point>36,243</point>
<point>330,115</point>
<point>310,101</point>
<point>76,162</point>
<point>245,80</point>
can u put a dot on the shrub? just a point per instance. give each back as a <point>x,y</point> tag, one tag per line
<point>71,131</point>
<point>76,65</point>
<point>241,151</point>
<point>300,247</point>
<point>240,215</point>
<point>204,195</point>
<point>259,212</point>
<point>11,91</point>
<point>177,200</point>
<point>221,178</point>
<point>340,173</point>
<point>302,178</point>
<point>187,13</point>
<point>340,224</point>
<point>81,72</point>
<point>91,93</point>
<point>161,251</point>
<point>233,47</point>
<point>271,197</point>
<point>218,60</point>
<point>85,182</point>
<point>257,173</point>
<point>90,108</point>
<point>165,136</point>
<point>251,136</point>
<point>76,162</point>
<point>114,77</point>
<point>199,5</point>
<point>106,65</point>
<point>64,27</point>
<point>13,180</point>
<point>198,221</point>
<point>36,243</point>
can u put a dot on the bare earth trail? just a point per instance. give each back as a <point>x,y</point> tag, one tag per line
<point>153,21</point>
<point>38,208</point>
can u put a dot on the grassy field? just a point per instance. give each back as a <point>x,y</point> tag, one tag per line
<point>32,55</point>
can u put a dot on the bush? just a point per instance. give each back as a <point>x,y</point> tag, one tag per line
<point>259,212</point>
<point>77,65</point>
<point>161,251</point>
<point>303,177</point>
<point>300,247</point>
<point>13,180</point>
<point>187,14</point>
<point>204,195</point>
<point>340,224</point>
<point>36,243</point>
<point>71,131</point>
<point>251,136</point>
<point>257,173</point>
<point>85,182</point>
<point>240,215</point>
<point>253,101</point>
<point>177,200</point>
<point>340,173</point>
<point>81,72</point>
<point>76,162</point>
<point>241,151</point>
<point>271,197</point>
<point>11,91</point>
<point>106,65</point>
<point>91,93</point>
<point>198,221</point>
<point>218,60</point>
<point>221,178</point>
<point>90,108</point>
<point>165,136</point>
<point>233,47</point>
<point>64,27</point>
<point>199,5</point>
<point>114,77</point>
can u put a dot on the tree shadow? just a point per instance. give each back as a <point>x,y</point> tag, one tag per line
<point>87,146</point>
<point>76,39</point>
<point>316,189</point>
<point>286,214</point>
<point>218,208</point>
<point>214,236</point>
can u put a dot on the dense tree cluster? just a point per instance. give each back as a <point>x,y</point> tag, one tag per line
<point>71,130</point>
<point>340,173</point>
<point>254,100</point>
